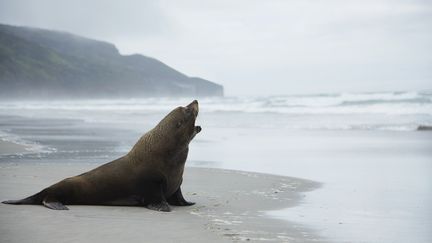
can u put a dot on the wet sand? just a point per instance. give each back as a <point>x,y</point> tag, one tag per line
<point>230,207</point>
<point>376,184</point>
<point>7,147</point>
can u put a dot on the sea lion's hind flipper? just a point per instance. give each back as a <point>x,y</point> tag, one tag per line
<point>16,202</point>
<point>177,199</point>
<point>54,204</point>
<point>35,199</point>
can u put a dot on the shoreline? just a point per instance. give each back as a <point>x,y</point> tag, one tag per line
<point>221,214</point>
<point>339,158</point>
<point>11,148</point>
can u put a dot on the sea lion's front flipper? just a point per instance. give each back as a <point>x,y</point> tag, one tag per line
<point>155,199</point>
<point>177,199</point>
<point>53,204</point>
<point>160,206</point>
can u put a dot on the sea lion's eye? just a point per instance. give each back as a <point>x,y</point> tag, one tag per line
<point>179,124</point>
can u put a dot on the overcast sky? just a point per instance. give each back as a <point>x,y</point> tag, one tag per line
<point>259,47</point>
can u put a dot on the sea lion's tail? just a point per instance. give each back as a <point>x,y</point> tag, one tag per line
<point>35,199</point>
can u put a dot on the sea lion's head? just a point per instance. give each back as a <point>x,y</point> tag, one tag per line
<point>179,124</point>
<point>171,135</point>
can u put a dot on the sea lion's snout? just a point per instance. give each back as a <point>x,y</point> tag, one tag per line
<point>194,107</point>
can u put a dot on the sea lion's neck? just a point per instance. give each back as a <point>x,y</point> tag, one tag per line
<point>157,144</point>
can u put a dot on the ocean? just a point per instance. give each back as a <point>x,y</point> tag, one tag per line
<point>374,166</point>
<point>398,111</point>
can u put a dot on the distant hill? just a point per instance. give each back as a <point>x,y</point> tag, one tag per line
<point>38,63</point>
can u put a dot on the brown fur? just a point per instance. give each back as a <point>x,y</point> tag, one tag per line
<point>149,175</point>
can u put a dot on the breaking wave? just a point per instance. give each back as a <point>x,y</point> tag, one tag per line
<point>401,111</point>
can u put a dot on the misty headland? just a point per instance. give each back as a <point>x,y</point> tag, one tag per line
<point>44,64</point>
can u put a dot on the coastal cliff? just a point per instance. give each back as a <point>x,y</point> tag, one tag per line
<point>38,63</point>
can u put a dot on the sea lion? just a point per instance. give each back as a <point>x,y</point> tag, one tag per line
<point>149,175</point>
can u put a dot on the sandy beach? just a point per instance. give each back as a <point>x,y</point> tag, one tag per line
<point>223,212</point>
<point>374,169</point>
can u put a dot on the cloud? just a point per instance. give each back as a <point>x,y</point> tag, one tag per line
<point>256,46</point>
<point>97,18</point>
